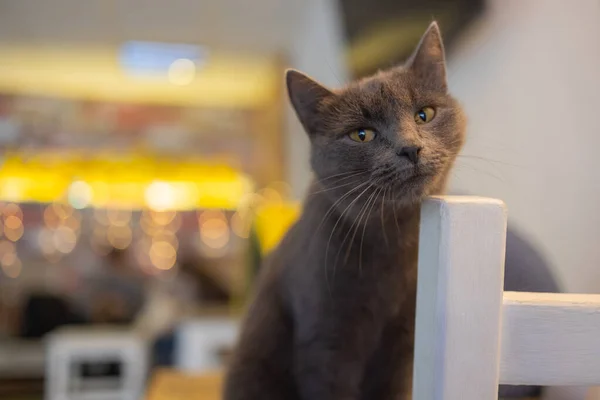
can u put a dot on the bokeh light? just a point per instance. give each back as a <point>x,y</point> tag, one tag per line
<point>13,228</point>
<point>9,261</point>
<point>182,72</point>
<point>241,223</point>
<point>160,196</point>
<point>80,194</point>
<point>118,217</point>
<point>99,240</point>
<point>214,229</point>
<point>11,265</point>
<point>163,255</point>
<point>64,239</point>
<point>119,237</point>
<point>12,209</point>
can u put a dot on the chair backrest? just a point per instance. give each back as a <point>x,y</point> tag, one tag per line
<point>470,334</point>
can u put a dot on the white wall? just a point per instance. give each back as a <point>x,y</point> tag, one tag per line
<point>317,48</point>
<point>529,78</point>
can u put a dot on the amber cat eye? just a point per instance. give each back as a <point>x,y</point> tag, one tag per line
<point>424,115</point>
<point>362,135</point>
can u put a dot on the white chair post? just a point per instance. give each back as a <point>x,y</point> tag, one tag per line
<point>459,299</point>
<point>550,339</point>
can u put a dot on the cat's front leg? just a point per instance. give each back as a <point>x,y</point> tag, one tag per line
<point>260,368</point>
<point>331,354</point>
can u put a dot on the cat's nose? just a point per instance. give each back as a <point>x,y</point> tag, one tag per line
<point>410,152</point>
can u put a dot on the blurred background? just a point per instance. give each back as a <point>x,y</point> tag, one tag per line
<point>149,159</point>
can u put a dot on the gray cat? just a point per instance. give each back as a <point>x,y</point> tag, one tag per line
<point>333,317</point>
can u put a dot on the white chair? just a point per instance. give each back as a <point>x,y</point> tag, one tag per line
<point>472,336</point>
<point>95,364</point>
<point>199,341</point>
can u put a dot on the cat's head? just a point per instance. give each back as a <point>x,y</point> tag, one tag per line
<point>397,131</point>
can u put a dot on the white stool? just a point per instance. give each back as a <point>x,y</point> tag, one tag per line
<point>199,341</point>
<point>95,364</point>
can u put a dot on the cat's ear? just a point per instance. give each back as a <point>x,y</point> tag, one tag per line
<point>428,60</point>
<point>305,94</point>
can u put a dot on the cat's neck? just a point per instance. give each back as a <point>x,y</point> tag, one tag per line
<point>399,224</point>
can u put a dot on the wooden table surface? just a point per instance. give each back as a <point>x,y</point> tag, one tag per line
<point>167,384</point>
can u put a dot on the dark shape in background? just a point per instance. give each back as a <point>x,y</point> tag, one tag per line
<point>382,33</point>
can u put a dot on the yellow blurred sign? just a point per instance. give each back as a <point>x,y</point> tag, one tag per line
<point>125,181</point>
<point>272,222</point>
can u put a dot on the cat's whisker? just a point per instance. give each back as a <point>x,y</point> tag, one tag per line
<point>362,239</point>
<point>357,223</point>
<point>355,228</point>
<point>338,221</point>
<point>395,217</point>
<point>385,238</point>
<point>342,174</point>
<point>332,188</point>
<point>340,186</point>
<point>334,205</point>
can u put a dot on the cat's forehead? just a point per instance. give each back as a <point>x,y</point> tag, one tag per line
<point>396,85</point>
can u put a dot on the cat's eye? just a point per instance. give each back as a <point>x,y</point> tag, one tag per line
<point>362,135</point>
<point>424,115</point>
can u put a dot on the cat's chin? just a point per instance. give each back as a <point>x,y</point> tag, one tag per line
<point>414,189</point>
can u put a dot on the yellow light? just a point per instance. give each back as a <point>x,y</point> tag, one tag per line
<point>12,209</point>
<point>100,193</point>
<point>64,239</point>
<point>162,218</point>
<point>14,234</point>
<point>119,217</point>
<point>214,232</point>
<point>12,222</point>
<point>50,218</point>
<point>175,224</point>
<point>206,215</point>
<point>62,211</point>
<point>160,196</point>
<point>163,255</point>
<point>122,181</point>
<point>182,72</point>
<point>119,236</point>
<point>148,227</point>
<point>8,259</point>
<point>167,237</point>
<point>11,265</point>
<point>80,194</point>
<point>162,249</point>
<point>13,228</point>
<point>101,217</point>
<point>13,189</point>
<point>73,222</point>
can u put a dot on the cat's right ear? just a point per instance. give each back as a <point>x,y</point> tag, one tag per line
<point>306,95</point>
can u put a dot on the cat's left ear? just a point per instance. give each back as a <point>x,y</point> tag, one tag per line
<point>306,96</point>
<point>428,60</point>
